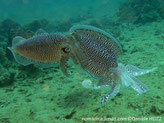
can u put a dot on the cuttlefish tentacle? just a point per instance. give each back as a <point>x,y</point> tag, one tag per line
<point>137,85</point>
<point>113,84</point>
<point>109,79</point>
<point>112,93</point>
<point>128,73</point>
<point>114,88</point>
<point>135,71</point>
<point>65,55</point>
<point>113,80</point>
<point>121,74</point>
<point>63,65</point>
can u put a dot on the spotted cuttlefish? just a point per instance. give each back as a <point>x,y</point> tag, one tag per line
<point>43,50</point>
<point>97,52</point>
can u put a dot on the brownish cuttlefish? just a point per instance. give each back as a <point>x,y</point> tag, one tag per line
<point>42,49</point>
<point>94,49</point>
<point>97,52</point>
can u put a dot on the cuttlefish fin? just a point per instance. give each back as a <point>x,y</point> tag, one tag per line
<point>17,40</point>
<point>40,32</point>
<point>63,65</point>
<point>20,59</point>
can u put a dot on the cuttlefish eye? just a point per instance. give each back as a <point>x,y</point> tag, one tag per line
<point>65,49</point>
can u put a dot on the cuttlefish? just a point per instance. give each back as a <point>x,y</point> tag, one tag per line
<point>42,49</point>
<point>97,52</point>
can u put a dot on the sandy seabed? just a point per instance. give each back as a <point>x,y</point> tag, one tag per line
<point>47,96</point>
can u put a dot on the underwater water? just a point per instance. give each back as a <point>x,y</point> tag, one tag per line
<point>114,43</point>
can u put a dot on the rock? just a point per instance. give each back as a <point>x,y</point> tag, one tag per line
<point>8,28</point>
<point>140,11</point>
<point>7,76</point>
<point>35,25</point>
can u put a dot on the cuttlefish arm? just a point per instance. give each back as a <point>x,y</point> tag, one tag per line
<point>128,77</point>
<point>113,81</point>
<point>110,80</point>
<point>111,94</point>
<point>123,74</point>
<point>65,55</point>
